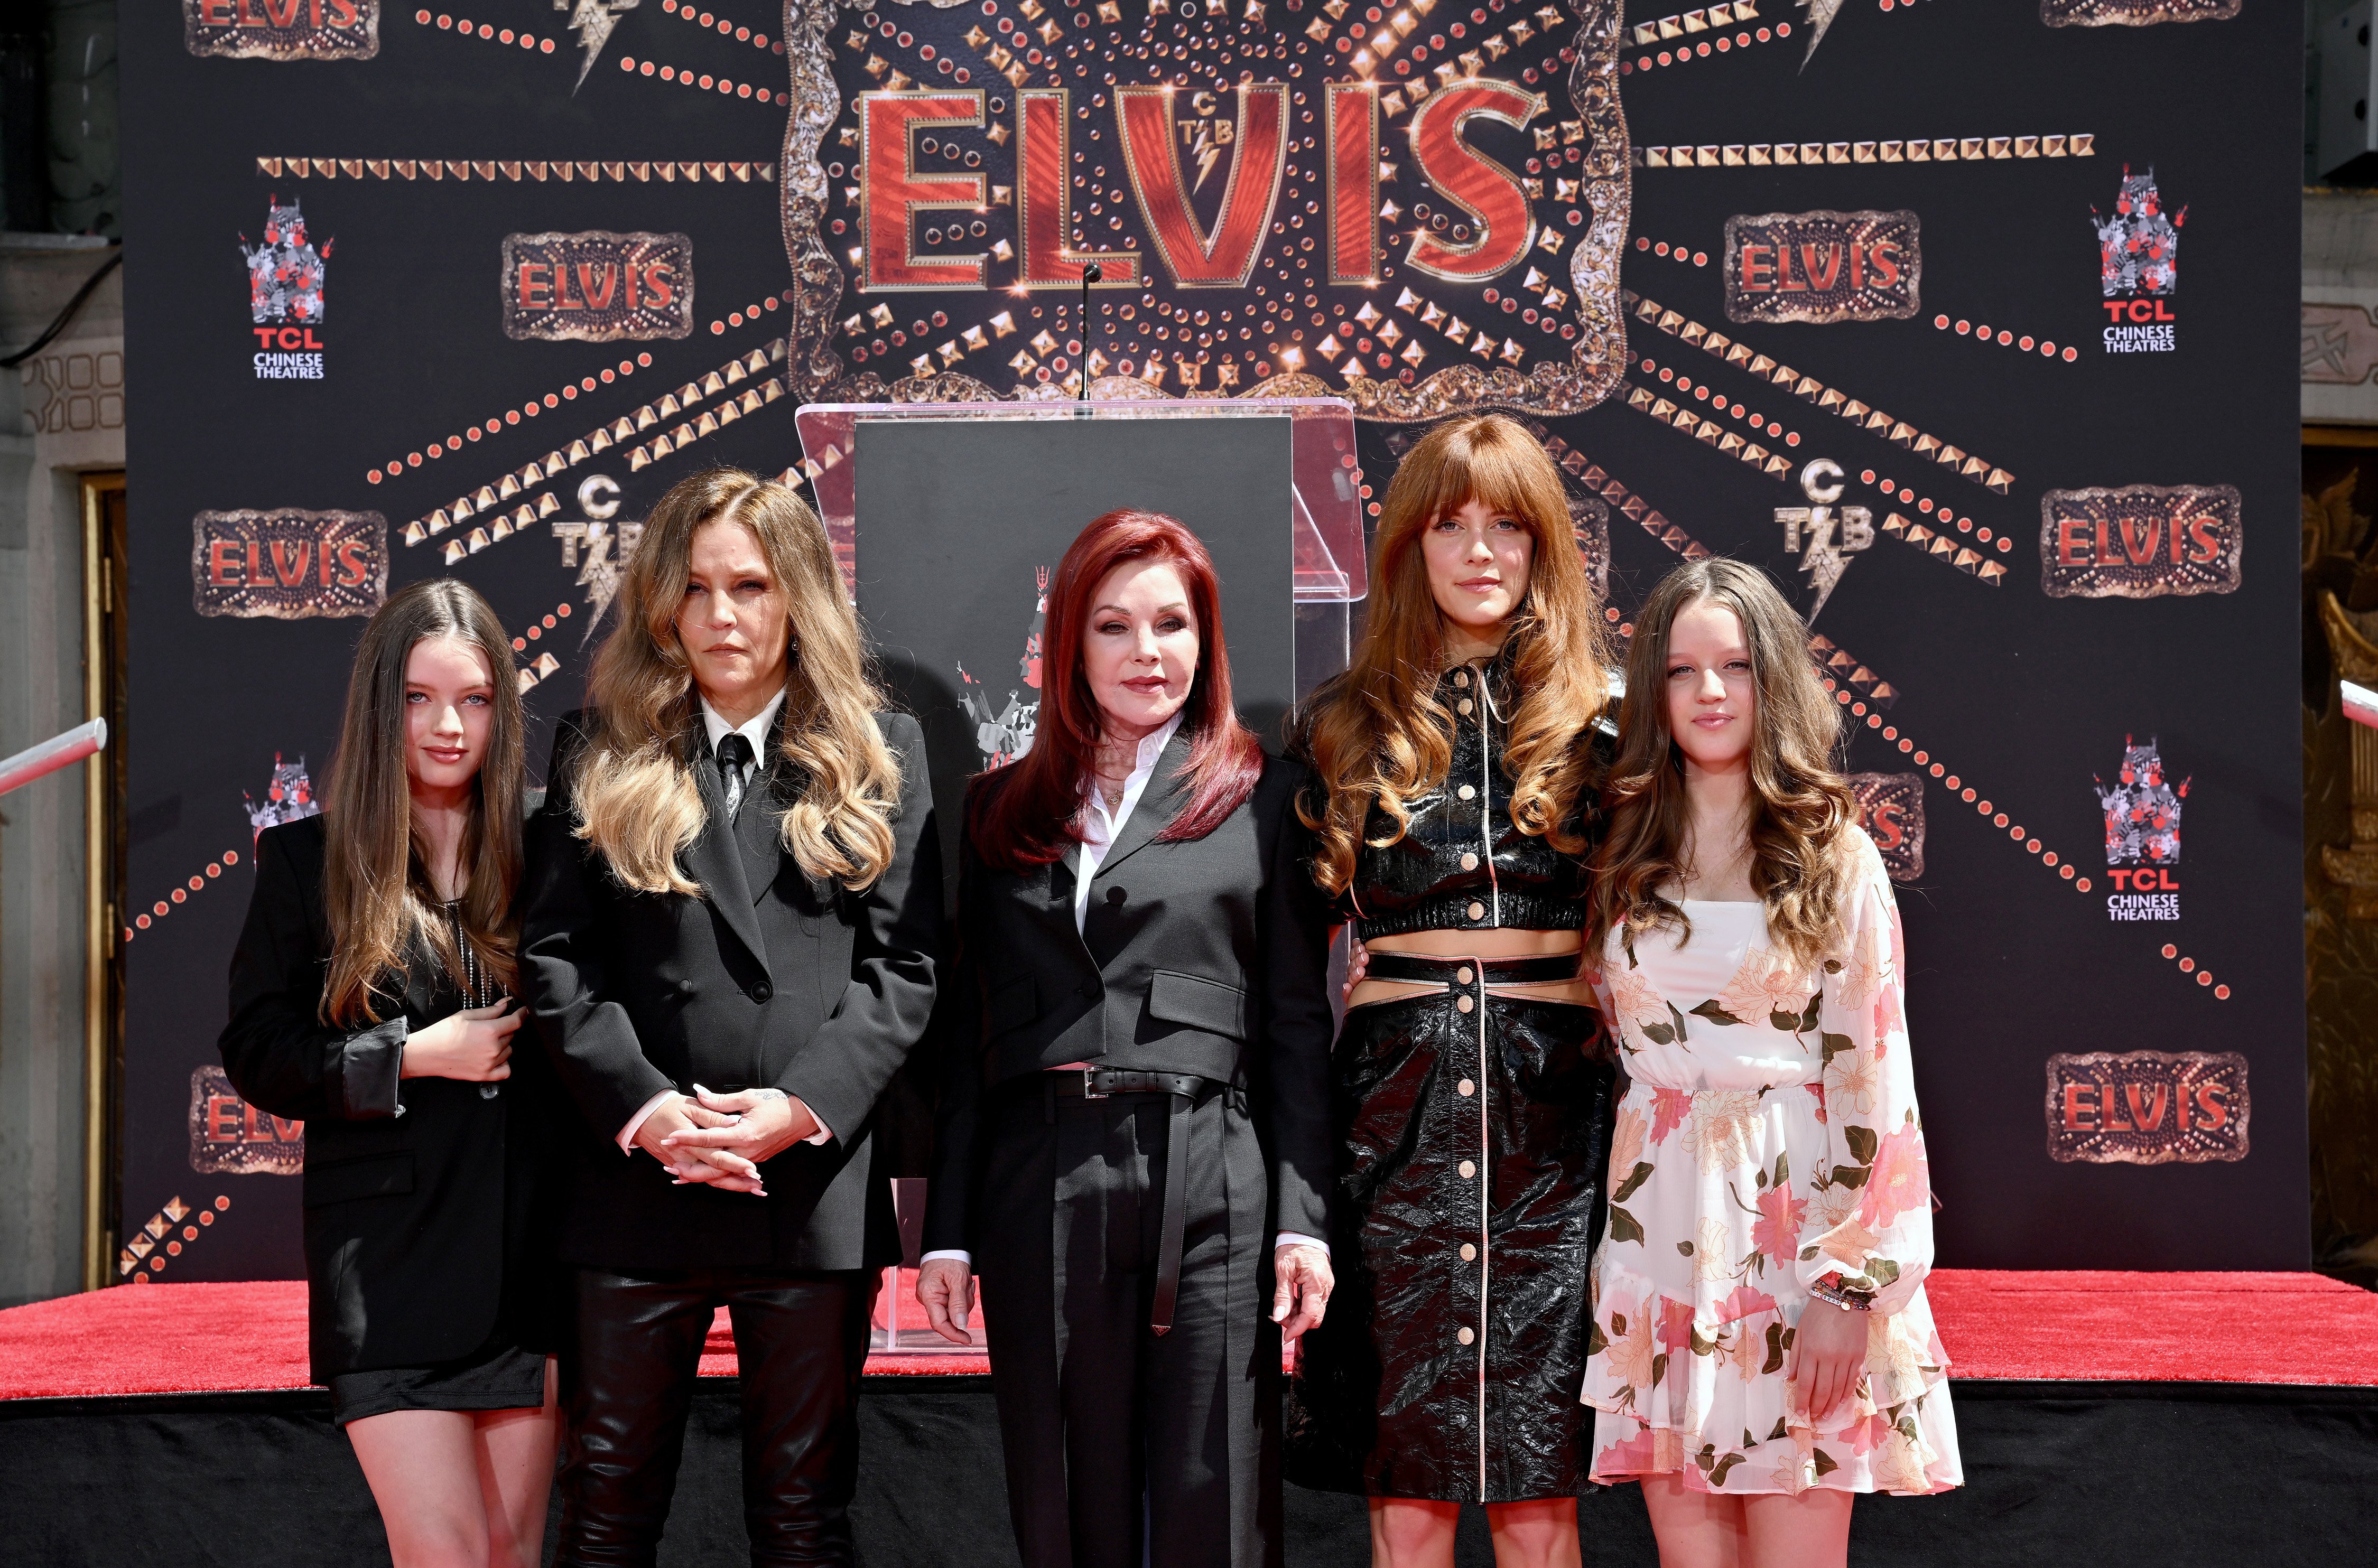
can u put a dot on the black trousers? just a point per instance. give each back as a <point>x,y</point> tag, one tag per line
<point>1125,1447</point>
<point>627,1383</point>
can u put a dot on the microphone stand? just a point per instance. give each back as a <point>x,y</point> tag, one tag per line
<point>1091,273</point>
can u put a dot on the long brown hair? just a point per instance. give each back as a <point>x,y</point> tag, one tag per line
<point>1376,734</point>
<point>375,886</point>
<point>1800,807</point>
<point>1032,813</point>
<point>636,796</point>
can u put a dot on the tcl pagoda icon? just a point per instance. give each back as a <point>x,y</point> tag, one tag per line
<point>285,277</point>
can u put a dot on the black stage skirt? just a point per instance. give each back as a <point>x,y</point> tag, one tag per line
<point>1473,1133</point>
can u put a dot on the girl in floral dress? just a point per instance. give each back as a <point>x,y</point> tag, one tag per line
<point>1762,1349</point>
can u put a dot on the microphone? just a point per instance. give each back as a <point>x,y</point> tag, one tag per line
<point>1091,273</point>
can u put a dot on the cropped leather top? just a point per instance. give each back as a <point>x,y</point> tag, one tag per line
<point>1461,862</point>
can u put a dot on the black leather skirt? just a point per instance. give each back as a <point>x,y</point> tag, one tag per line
<point>1473,1133</point>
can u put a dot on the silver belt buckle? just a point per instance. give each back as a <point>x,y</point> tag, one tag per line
<point>1089,1080</point>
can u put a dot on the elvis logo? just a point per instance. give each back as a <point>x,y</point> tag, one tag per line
<point>2140,541</point>
<point>1003,734</point>
<point>1822,266</point>
<point>2138,265</point>
<point>230,1137</point>
<point>2134,13</point>
<point>2147,1107</point>
<point>1891,810</point>
<point>2142,810</point>
<point>597,287</point>
<point>285,276</point>
<point>282,30</point>
<point>287,564</point>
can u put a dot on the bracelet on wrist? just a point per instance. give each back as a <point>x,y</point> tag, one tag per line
<point>1848,1300</point>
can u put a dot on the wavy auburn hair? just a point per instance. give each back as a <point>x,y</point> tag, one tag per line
<point>1029,813</point>
<point>376,888</point>
<point>1376,734</point>
<point>636,796</point>
<point>1800,807</point>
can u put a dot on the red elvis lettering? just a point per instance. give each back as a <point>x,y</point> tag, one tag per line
<point>546,285</point>
<point>2091,542</point>
<point>1767,268</point>
<point>291,562</point>
<point>230,1119</point>
<point>279,13</point>
<point>2099,1108</point>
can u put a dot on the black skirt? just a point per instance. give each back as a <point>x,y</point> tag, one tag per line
<point>498,1376</point>
<point>1474,1130</point>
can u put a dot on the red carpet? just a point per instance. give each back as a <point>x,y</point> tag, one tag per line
<point>1997,1324</point>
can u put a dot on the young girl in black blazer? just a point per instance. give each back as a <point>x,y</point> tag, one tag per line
<point>369,996</point>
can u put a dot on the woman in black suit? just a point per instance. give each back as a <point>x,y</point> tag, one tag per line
<point>1134,1136</point>
<point>368,996</point>
<point>732,923</point>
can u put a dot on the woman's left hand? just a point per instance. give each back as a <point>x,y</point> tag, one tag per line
<point>765,1123</point>
<point>1305,1286</point>
<point>1828,1357</point>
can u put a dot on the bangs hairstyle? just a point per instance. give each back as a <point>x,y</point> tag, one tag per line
<point>1029,813</point>
<point>637,799</point>
<point>376,888</point>
<point>1800,806</point>
<point>1378,735</point>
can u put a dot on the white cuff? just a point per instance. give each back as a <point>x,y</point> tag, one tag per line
<point>628,1133</point>
<point>1298,1239</point>
<point>959,1254</point>
<point>824,1134</point>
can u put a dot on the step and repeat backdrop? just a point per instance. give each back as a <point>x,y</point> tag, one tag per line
<point>1968,322</point>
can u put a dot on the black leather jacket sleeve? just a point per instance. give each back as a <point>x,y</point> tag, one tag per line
<point>1298,1027</point>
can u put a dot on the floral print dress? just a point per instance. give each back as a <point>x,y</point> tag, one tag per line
<point>1769,1141</point>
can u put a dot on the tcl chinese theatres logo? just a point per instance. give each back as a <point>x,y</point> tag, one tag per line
<point>2143,809</point>
<point>2147,1107</point>
<point>2138,265</point>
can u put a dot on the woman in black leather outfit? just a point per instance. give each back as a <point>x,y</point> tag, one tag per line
<point>1470,1081</point>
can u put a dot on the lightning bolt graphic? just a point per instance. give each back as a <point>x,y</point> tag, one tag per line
<point>592,20</point>
<point>1820,16</point>
<point>1209,153</point>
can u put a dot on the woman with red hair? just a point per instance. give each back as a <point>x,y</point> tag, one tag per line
<point>1135,1149</point>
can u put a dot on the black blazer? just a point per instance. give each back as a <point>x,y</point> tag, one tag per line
<point>766,979</point>
<point>420,1228</point>
<point>1209,956</point>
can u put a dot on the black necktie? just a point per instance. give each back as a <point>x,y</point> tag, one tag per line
<point>734,754</point>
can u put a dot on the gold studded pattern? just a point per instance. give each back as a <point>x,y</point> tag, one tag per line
<point>1830,400</point>
<point>1786,154</point>
<point>509,169</point>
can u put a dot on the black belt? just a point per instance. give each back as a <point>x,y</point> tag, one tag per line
<point>1100,1083</point>
<point>1432,970</point>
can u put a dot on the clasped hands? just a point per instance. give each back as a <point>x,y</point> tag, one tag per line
<point>721,1140</point>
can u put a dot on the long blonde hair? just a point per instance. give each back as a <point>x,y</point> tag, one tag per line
<point>376,890</point>
<point>1800,807</point>
<point>636,796</point>
<point>1376,734</point>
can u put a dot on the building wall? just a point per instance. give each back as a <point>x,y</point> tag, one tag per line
<point>61,414</point>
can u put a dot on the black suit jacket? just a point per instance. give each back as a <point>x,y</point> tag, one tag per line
<point>421,1229</point>
<point>1208,955</point>
<point>767,978</point>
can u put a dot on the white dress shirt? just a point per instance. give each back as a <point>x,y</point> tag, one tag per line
<point>1100,828</point>
<point>718,729</point>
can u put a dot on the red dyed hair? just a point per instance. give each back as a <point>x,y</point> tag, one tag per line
<point>1029,813</point>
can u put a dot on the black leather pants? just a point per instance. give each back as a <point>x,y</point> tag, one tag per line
<point>627,1382</point>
